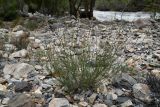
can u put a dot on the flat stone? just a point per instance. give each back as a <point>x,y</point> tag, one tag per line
<point>21,100</point>
<point>83,104</point>
<point>19,70</point>
<point>100,105</point>
<point>119,92</point>
<point>5,101</point>
<point>19,54</point>
<point>22,86</point>
<point>111,96</point>
<point>127,104</point>
<point>92,98</point>
<point>123,81</point>
<point>142,92</point>
<point>59,102</point>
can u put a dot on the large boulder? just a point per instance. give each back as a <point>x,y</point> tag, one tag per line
<point>19,70</point>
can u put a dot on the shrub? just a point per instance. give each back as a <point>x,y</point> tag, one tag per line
<point>80,68</point>
<point>8,9</point>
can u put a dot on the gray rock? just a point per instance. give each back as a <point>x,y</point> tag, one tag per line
<point>50,81</point>
<point>142,92</point>
<point>108,102</point>
<point>123,81</point>
<point>92,98</point>
<point>5,101</point>
<point>100,105</point>
<point>9,47</point>
<point>19,54</point>
<point>156,54</point>
<point>3,90</point>
<point>21,100</point>
<point>59,102</point>
<point>22,86</point>
<point>111,96</point>
<point>127,104</point>
<point>19,70</point>
<point>122,99</point>
<point>38,67</point>
<point>119,92</point>
<point>82,104</point>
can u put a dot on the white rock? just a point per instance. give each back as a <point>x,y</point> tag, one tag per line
<point>82,104</point>
<point>92,98</point>
<point>19,54</point>
<point>19,70</point>
<point>59,102</point>
<point>100,105</point>
<point>38,67</point>
<point>5,101</point>
<point>37,41</point>
<point>142,92</point>
<point>9,47</point>
<point>3,88</point>
<point>128,103</point>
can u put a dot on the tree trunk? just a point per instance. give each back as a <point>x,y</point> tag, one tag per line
<point>88,8</point>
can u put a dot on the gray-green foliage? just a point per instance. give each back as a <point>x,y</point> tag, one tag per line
<point>80,68</point>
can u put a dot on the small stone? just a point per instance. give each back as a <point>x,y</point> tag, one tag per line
<point>59,102</point>
<point>21,100</point>
<point>142,92</point>
<point>22,86</point>
<point>2,81</point>
<point>111,96</point>
<point>108,102</point>
<point>38,67</point>
<point>3,88</point>
<point>9,47</point>
<point>37,41</point>
<point>122,99</point>
<point>100,105</point>
<point>156,54</point>
<point>119,92</point>
<point>5,101</point>
<point>19,54</point>
<point>83,104</point>
<point>18,28</point>
<point>123,81</point>
<point>19,70</point>
<point>156,73</point>
<point>51,81</point>
<point>92,98</point>
<point>127,104</point>
<point>38,92</point>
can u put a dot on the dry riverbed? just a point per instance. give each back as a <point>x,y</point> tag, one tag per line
<point>25,81</point>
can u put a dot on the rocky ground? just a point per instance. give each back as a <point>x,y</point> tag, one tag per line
<point>25,82</point>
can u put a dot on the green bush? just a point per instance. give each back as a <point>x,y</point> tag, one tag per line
<point>8,9</point>
<point>56,7</point>
<point>83,71</point>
